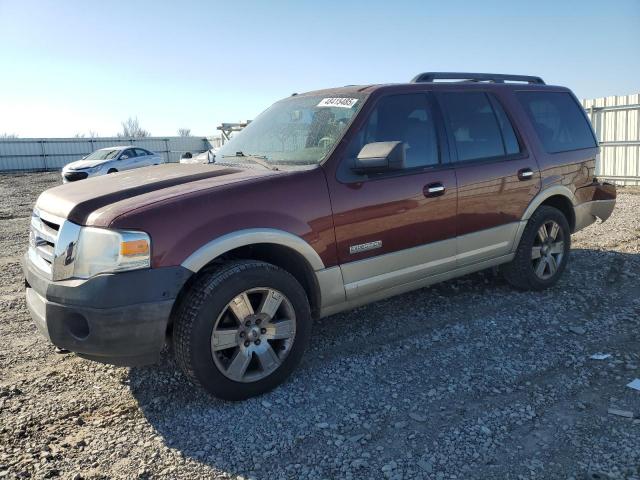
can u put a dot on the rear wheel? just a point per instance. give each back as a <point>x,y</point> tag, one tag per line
<point>242,329</point>
<point>543,251</point>
<point>112,170</point>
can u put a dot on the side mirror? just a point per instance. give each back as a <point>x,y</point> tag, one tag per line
<point>123,157</point>
<point>380,157</point>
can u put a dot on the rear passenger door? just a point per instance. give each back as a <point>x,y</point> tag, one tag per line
<point>143,158</point>
<point>497,177</point>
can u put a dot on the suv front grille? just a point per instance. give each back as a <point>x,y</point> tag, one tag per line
<point>73,176</point>
<point>42,240</point>
<point>52,244</point>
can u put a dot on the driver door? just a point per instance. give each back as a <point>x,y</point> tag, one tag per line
<point>397,227</point>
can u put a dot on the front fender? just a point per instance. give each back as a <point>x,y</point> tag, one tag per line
<point>217,247</point>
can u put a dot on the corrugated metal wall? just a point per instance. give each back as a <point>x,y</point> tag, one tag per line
<point>616,121</point>
<point>53,153</point>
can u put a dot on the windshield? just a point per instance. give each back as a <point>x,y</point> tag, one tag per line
<point>297,130</point>
<point>103,155</point>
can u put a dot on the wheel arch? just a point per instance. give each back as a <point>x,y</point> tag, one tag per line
<point>279,248</point>
<point>562,203</point>
<point>557,196</point>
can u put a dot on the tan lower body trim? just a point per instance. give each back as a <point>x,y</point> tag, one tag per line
<point>413,285</point>
<point>397,272</point>
<point>365,277</point>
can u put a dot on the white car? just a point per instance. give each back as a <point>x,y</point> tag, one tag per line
<point>110,160</point>
<point>205,157</point>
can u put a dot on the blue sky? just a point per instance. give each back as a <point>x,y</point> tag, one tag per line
<point>71,66</point>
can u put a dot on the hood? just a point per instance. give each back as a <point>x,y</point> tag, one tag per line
<point>82,164</point>
<point>98,200</point>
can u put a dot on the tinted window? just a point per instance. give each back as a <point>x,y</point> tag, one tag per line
<point>127,154</point>
<point>403,118</point>
<point>141,153</point>
<point>511,144</point>
<point>473,125</point>
<point>558,119</point>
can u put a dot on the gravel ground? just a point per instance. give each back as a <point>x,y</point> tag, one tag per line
<point>467,379</point>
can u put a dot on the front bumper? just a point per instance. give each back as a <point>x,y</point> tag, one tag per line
<point>74,176</point>
<point>119,318</point>
<point>597,201</point>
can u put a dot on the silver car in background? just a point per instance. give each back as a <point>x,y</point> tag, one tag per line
<point>110,160</point>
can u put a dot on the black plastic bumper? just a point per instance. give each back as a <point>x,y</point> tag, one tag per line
<point>119,318</point>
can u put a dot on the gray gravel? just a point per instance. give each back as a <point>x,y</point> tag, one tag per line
<point>467,379</point>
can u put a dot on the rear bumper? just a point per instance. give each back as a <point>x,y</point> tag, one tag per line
<point>118,318</point>
<point>599,202</point>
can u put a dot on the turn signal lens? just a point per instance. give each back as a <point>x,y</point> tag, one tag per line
<point>134,247</point>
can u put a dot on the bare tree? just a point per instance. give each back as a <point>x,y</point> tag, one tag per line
<point>93,134</point>
<point>184,132</point>
<point>8,135</point>
<point>131,129</point>
<point>78,135</point>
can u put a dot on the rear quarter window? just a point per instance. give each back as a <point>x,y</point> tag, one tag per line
<point>558,120</point>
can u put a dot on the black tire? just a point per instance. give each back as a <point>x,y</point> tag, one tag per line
<point>112,170</point>
<point>207,299</point>
<point>521,272</point>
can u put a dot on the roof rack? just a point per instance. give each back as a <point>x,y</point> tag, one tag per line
<point>475,77</point>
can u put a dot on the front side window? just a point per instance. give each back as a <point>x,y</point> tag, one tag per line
<point>127,154</point>
<point>559,121</point>
<point>473,125</point>
<point>298,130</point>
<point>401,118</point>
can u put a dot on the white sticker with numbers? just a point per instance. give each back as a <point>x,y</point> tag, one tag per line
<point>338,102</point>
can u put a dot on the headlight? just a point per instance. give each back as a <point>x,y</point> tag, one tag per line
<point>101,250</point>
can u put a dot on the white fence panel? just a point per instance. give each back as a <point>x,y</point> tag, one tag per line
<point>616,121</point>
<point>18,154</point>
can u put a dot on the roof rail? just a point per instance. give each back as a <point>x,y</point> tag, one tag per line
<point>475,77</point>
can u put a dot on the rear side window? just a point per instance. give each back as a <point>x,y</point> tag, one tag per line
<point>141,153</point>
<point>474,126</point>
<point>559,121</point>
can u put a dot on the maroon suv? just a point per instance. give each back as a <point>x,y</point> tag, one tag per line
<point>326,201</point>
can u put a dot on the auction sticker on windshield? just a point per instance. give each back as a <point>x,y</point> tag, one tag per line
<point>338,102</point>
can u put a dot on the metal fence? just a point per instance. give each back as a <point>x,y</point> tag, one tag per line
<point>616,121</point>
<point>20,154</point>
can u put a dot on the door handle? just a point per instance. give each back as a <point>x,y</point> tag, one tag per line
<point>525,174</point>
<point>433,190</point>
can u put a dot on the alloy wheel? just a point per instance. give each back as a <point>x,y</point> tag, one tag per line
<point>547,252</point>
<point>253,334</point>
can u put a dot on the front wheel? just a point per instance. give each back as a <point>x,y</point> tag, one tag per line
<point>543,251</point>
<point>242,329</point>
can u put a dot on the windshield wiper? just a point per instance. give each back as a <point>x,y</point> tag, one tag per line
<point>259,159</point>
